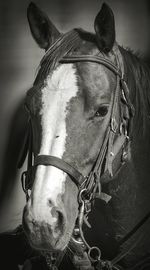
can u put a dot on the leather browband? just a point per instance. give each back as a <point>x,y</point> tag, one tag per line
<point>46,160</point>
<point>95,59</point>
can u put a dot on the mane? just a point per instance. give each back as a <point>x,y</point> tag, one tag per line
<point>138,78</point>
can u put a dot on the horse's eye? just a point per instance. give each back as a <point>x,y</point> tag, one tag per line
<point>102,111</point>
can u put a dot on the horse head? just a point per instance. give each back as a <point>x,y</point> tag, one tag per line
<point>70,106</point>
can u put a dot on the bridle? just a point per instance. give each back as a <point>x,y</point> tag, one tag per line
<point>112,155</point>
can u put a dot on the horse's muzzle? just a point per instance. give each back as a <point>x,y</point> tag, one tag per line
<point>46,233</point>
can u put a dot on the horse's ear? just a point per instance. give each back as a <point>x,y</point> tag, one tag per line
<point>42,29</point>
<point>105,28</point>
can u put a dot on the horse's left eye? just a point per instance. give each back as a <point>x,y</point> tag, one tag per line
<point>102,111</point>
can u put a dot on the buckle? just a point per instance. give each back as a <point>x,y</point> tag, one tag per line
<point>124,156</point>
<point>23,181</point>
<point>87,207</point>
<point>114,125</point>
<point>24,187</point>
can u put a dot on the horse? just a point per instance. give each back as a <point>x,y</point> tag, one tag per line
<point>87,179</point>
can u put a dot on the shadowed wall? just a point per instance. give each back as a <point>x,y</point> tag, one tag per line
<point>20,56</point>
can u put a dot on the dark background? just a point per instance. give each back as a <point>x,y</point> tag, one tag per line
<point>20,56</point>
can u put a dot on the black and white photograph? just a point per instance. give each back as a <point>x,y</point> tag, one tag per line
<point>75,135</point>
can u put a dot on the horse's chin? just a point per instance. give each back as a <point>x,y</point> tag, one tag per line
<point>48,244</point>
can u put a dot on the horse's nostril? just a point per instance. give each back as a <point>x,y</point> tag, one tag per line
<point>60,224</point>
<point>58,215</point>
<point>50,203</point>
<point>60,220</point>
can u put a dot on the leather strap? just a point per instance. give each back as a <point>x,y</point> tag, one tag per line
<point>46,160</point>
<point>92,58</point>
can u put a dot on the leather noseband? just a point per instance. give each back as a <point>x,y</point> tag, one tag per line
<point>46,160</point>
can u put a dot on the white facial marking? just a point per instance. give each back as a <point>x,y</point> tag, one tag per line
<point>59,89</point>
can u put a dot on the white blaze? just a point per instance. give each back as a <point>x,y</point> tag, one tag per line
<point>59,89</point>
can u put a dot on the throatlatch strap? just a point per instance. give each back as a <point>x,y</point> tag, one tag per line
<point>46,160</point>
